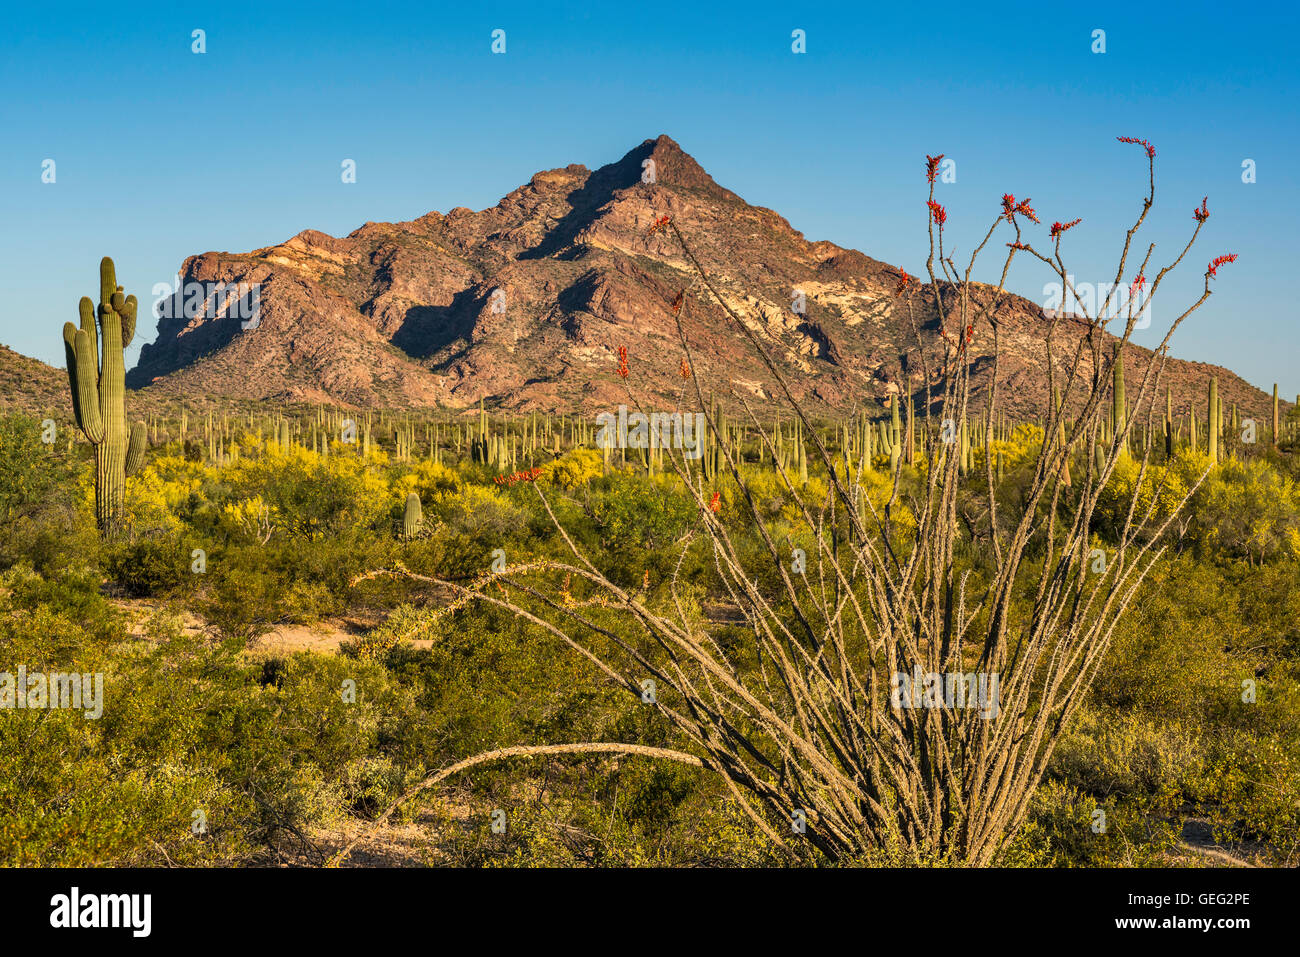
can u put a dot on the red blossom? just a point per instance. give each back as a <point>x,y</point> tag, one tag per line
<point>1010,207</point>
<point>1218,261</point>
<point>962,340</point>
<point>1151,150</point>
<point>677,302</point>
<point>659,224</point>
<point>527,475</point>
<point>937,213</point>
<point>1138,284</point>
<point>1203,213</point>
<point>622,361</point>
<point>904,280</point>
<point>932,166</point>
<point>715,506</point>
<point>684,370</point>
<point>1059,227</point>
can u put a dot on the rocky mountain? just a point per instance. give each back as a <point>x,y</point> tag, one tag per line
<point>526,304</point>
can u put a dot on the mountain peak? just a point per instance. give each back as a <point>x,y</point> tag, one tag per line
<point>672,166</point>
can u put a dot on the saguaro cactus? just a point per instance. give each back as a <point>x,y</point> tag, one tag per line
<point>413,518</point>
<point>1064,474</point>
<point>97,376</point>
<point>1169,424</point>
<point>1276,421</point>
<point>1119,410</point>
<point>1212,425</point>
<point>895,434</point>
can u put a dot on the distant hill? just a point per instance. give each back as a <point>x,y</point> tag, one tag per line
<point>30,386</point>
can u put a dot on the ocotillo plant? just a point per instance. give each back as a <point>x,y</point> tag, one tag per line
<point>97,376</point>
<point>874,771</point>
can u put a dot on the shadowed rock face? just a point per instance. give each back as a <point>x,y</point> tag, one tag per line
<point>525,305</point>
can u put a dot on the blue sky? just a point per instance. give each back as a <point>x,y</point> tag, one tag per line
<point>161,153</point>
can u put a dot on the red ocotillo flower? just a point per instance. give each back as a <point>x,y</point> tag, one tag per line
<point>932,166</point>
<point>1059,227</point>
<point>527,475</point>
<point>684,370</point>
<point>715,506</point>
<point>1218,261</point>
<point>1139,282</point>
<point>1151,150</point>
<point>904,280</point>
<point>1203,213</point>
<point>659,224</point>
<point>1010,207</point>
<point>622,361</point>
<point>937,213</point>
<point>678,300</point>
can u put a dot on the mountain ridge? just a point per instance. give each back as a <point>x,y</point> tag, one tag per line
<point>524,305</point>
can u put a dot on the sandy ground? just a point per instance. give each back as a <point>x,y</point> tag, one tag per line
<point>323,637</point>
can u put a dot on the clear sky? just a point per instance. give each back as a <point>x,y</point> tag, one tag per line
<point>161,152</point>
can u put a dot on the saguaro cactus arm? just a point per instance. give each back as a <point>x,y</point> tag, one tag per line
<point>136,448</point>
<point>90,326</point>
<point>83,378</point>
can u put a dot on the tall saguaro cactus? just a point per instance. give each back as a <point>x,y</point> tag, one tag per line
<point>97,376</point>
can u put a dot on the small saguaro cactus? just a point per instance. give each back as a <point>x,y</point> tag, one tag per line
<point>1119,409</point>
<point>1212,423</point>
<point>1169,424</point>
<point>413,518</point>
<point>895,434</point>
<point>97,376</point>
<point>1273,431</point>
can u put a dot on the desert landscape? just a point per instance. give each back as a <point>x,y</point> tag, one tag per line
<point>618,524</point>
